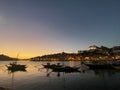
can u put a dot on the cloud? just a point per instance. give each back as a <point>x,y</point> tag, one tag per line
<point>2,20</point>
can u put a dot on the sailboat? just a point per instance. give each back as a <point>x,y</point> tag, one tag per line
<point>14,66</point>
<point>12,73</point>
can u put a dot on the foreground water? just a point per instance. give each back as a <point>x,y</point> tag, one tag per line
<point>38,78</point>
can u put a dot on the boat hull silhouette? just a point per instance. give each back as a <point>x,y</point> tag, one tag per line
<point>66,69</point>
<point>16,67</point>
<point>61,68</point>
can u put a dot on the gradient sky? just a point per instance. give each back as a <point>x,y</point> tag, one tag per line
<point>38,27</point>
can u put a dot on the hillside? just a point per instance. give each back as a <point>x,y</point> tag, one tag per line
<point>5,58</point>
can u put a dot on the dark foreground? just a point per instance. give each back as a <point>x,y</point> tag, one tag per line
<point>38,78</point>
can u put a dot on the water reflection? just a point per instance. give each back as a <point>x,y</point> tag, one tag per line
<point>36,77</point>
<point>58,73</point>
<point>12,70</point>
<point>102,73</point>
<point>12,73</point>
<point>58,68</point>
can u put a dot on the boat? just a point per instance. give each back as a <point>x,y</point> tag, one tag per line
<point>14,66</point>
<point>66,69</point>
<point>61,68</point>
<point>104,65</point>
<point>51,66</point>
<point>116,65</point>
<point>99,65</point>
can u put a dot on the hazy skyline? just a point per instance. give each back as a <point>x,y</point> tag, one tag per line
<point>38,27</point>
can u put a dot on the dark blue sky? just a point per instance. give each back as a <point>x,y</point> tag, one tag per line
<point>50,26</point>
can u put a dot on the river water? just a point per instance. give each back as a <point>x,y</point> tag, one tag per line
<point>38,78</point>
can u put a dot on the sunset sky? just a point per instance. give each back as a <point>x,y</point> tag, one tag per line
<point>37,27</point>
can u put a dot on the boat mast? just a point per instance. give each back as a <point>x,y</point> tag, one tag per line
<point>17,55</point>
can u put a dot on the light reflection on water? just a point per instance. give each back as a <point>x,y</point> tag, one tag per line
<point>38,78</point>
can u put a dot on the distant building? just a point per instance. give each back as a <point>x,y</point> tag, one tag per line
<point>94,47</point>
<point>116,48</point>
<point>80,51</point>
<point>116,52</point>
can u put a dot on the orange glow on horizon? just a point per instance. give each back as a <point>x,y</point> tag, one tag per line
<point>21,55</point>
<point>26,54</point>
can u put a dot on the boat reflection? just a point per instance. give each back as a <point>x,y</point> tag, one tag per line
<point>59,72</point>
<point>39,78</point>
<point>102,73</point>
<point>12,73</point>
<point>61,68</point>
<point>58,68</point>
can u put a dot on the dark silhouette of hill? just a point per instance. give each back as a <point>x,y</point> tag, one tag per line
<point>58,56</point>
<point>5,58</point>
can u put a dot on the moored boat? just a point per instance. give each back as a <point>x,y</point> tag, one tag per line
<point>116,65</point>
<point>61,68</point>
<point>99,65</point>
<point>66,69</point>
<point>51,66</point>
<point>16,67</point>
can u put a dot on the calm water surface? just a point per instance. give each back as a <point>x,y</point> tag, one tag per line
<point>38,78</point>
